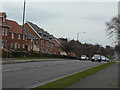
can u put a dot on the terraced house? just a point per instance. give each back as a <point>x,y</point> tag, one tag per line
<point>11,33</point>
<point>47,43</point>
<point>34,37</point>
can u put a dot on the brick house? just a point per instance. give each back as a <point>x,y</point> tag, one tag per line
<point>34,37</point>
<point>47,43</point>
<point>11,33</point>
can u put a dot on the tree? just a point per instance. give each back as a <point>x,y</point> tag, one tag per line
<point>66,46</point>
<point>113,29</point>
<point>113,26</point>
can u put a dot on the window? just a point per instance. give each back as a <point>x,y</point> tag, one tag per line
<point>3,32</point>
<point>26,38</point>
<point>2,44</point>
<point>12,35</point>
<point>18,36</point>
<point>31,40</point>
<point>6,32</point>
<point>5,43</point>
<point>23,37</point>
<point>18,45</point>
<point>15,45</point>
<point>4,19</point>
<point>23,45</point>
<point>41,42</point>
<point>11,45</point>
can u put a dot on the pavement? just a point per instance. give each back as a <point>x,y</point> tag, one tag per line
<point>32,74</point>
<point>106,78</point>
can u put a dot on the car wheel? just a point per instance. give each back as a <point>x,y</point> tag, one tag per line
<point>99,60</point>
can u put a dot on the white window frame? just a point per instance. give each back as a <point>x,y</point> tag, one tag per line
<point>23,46</point>
<point>11,45</point>
<point>3,31</point>
<point>18,45</point>
<point>6,30</point>
<point>12,35</point>
<point>19,36</point>
<point>4,19</point>
<point>15,45</point>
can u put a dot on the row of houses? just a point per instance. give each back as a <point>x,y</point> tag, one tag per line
<point>34,37</point>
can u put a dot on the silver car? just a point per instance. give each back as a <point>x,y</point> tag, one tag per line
<point>96,57</point>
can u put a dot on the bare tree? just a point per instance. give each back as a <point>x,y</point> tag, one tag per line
<point>66,46</point>
<point>113,26</point>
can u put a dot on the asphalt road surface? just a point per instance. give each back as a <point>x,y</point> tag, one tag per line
<point>28,75</point>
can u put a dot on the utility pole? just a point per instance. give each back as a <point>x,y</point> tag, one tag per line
<point>23,29</point>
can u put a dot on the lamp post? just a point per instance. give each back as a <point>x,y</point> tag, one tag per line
<point>78,34</point>
<point>23,29</point>
<point>78,40</point>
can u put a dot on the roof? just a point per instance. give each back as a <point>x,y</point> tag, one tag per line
<point>3,14</point>
<point>44,34</point>
<point>29,34</point>
<point>15,27</point>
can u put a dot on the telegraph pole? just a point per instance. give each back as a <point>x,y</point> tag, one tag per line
<point>23,29</point>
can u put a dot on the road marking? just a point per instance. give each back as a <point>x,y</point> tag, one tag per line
<point>38,66</point>
<point>17,69</point>
<point>7,70</point>
<point>12,70</point>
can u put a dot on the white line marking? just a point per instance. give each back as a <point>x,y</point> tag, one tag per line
<point>17,69</point>
<point>7,70</point>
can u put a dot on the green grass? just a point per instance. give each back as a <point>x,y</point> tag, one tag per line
<point>69,80</point>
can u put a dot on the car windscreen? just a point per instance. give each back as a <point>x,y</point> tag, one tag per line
<point>96,56</point>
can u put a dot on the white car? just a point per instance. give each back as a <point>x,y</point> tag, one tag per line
<point>107,59</point>
<point>96,57</point>
<point>83,57</point>
<point>103,58</point>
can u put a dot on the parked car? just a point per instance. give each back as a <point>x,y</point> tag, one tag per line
<point>103,58</point>
<point>96,57</point>
<point>87,58</point>
<point>107,59</point>
<point>83,57</point>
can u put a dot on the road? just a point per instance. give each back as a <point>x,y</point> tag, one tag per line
<point>28,75</point>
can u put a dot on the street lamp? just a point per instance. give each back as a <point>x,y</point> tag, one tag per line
<point>23,28</point>
<point>79,33</point>
<point>77,40</point>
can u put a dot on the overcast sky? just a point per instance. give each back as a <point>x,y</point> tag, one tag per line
<point>66,19</point>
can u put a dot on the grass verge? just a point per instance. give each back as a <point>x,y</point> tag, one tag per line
<point>69,80</point>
